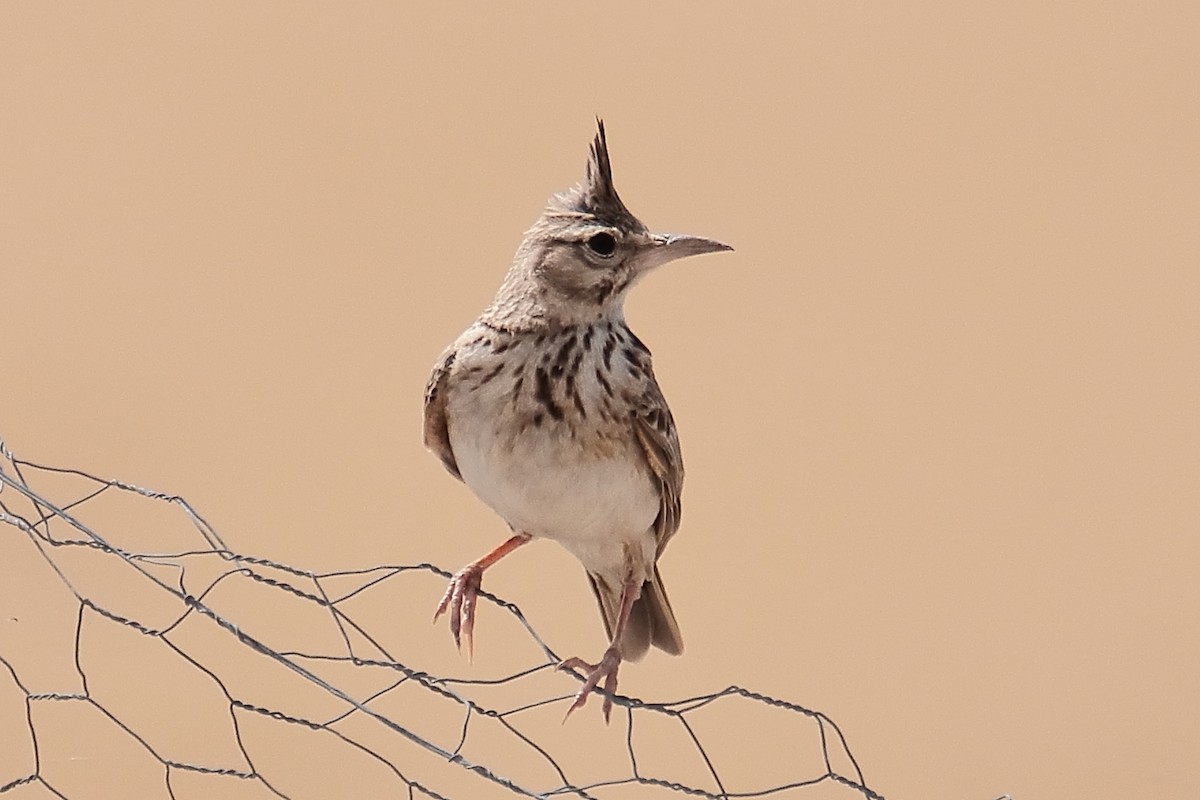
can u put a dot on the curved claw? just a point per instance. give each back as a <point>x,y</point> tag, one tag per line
<point>606,670</point>
<point>463,592</point>
<point>460,599</point>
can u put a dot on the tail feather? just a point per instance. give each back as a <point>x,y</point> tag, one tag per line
<point>651,620</point>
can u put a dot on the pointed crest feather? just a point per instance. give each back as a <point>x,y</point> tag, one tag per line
<point>599,169</point>
<point>595,195</point>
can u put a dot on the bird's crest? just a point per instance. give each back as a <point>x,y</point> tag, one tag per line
<point>595,195</point>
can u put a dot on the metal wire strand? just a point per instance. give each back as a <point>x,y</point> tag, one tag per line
<point>46,508</point>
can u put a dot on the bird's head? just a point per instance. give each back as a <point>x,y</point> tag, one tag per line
<point>586,249</point>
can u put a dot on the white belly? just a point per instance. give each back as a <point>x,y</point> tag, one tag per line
<point>599,503</point>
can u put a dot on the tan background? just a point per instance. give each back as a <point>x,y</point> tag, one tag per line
<point>938,409</point>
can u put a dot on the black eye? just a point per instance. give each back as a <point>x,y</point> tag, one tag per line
<point>603,244</point>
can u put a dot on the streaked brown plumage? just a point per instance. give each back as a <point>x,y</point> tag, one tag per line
<point>548,409</point>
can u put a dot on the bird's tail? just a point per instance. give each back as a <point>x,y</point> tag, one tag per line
<point>651,621</point>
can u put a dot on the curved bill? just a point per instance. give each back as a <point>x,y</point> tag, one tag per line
<point>664,247</point>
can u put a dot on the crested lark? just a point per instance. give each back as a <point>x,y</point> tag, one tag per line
<point>547,408</point>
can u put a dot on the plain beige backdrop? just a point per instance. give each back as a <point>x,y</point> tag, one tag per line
<point>939,409</point>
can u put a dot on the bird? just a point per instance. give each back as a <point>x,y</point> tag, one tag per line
<point>548,409</point>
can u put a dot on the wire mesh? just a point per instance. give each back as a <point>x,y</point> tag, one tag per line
<point>208,671</point>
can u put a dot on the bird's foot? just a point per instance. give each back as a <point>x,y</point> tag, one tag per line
<point>459,600</point>
<point>606,670</point>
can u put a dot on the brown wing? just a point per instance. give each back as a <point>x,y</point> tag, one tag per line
<point>655,429</point>
<point>437,432</point>
<point>652,621</point>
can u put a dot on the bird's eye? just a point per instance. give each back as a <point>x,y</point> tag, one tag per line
<point>602,244</point>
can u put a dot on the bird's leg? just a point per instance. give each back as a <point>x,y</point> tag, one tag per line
<point>463,591</point>
<point>606,670</point>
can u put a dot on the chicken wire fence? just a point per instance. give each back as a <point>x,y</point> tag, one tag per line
<point>155,660</point>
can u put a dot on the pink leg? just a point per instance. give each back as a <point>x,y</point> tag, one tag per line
<point>606,670</point>
<point>463,591</point>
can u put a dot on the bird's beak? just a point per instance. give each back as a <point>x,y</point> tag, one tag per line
<point>664,247</point>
